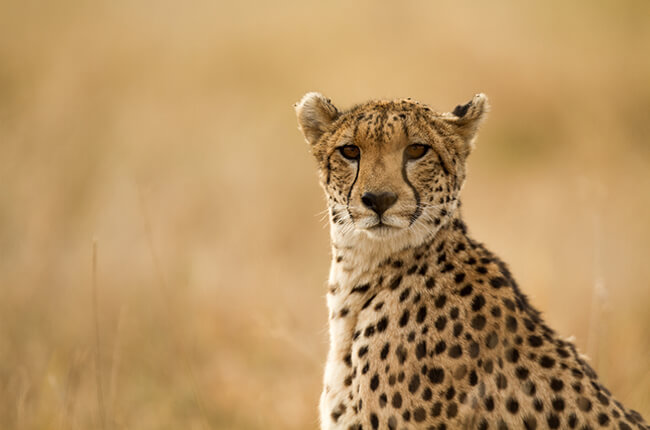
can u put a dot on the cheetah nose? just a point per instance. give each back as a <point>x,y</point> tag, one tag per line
<point>379,202</point>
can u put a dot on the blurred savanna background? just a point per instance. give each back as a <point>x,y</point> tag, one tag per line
<point>163,250</point>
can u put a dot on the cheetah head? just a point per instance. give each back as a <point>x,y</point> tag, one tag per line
<point>390,169</point>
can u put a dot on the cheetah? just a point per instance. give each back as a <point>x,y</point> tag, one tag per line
<point>428,329</point>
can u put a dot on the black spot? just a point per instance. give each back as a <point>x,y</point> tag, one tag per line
<point>451,392</point>
<point>602,399</point>
<point>498,282</point>
<point>453,313</point>
<point>478,322</point>
<point>491,340</point>
<point>382,324</point>
<point>478,302</point>
<point>459,277</point>
<point>370,330</point>
<point>512,355</point>
<point>509,304</point>
<point>414,383</point>
<point>422,314</point>
<point>448,268</point>
<point>369,301</point>
<point>421,350</point>
<point>436,375</point>
<point>406,415</point>
<point>404,319</point>
<point>511,323</point>
<point>496,311</point>
<point>473,378</point>
<point>562,352</point>
<point>603,419</point>
<point>427,394</point>
<point>458,329</point>
<point>400,352</point>
<point>556,384</point>
<point>530,423</point>
<point>395,282</point>
<point>430,283</point>
<point>512,405</point>
<point>348,360</point>
<point>397,400</point>
<point>529,388</point>
<point>419,414</point>
<point>374,382</point>
<point>553,421</point>
<point>404,295</point>
<point>441,322</point>
<point>360,288</point>
<point>392,423</point>
<point>452,410</point>
<point>481,269</point>
<point>522,373</point>
<point>558,404</point>
<point>573,420</point>
<point>546,361</point>
<point>374,421</point>
<point>440,347</point>
<point>455,351</point>
<point>362,351</point>
<point>466,290</point>
<point>440,301</point>
<point>473,349</point>
<point>502,382</point>
<point>534,340</point>
<point>489,403</point>
<point>384,351</point>
<point>383,399</point>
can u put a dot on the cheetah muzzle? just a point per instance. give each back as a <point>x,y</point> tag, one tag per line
<point>428,329</point>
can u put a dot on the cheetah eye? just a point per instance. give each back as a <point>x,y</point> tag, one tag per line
<point>351,152</point>
<point>415,151</point>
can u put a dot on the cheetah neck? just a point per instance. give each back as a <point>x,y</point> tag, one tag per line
<point>356,254</point>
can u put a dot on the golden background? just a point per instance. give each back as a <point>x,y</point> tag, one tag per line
<point>165,131</point>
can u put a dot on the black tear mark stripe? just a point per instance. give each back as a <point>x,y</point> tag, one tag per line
<point>416,195</point>
<point>356,174</point>
<point>329,168</point>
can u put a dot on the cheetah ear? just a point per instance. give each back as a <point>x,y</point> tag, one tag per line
<point>467,118</point>
<point>315,114</point>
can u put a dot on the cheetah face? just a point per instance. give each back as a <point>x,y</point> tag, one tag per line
<point>390,168</point>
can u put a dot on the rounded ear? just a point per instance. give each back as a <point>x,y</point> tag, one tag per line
<point>315,114</point>
<point>467,118</point>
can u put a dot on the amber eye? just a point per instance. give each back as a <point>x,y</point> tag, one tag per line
<point>415,151</point>
<point>351,152</point>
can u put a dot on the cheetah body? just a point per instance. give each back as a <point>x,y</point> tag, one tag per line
<point>428,329</point>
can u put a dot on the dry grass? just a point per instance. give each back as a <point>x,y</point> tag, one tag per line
<point>166,131</point>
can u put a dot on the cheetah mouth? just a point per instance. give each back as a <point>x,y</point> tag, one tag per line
<point>382,227</point>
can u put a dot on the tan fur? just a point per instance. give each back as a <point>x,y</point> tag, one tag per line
<point>428,330</point>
